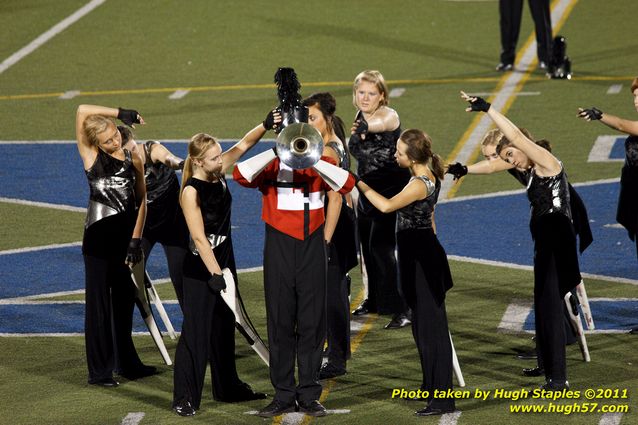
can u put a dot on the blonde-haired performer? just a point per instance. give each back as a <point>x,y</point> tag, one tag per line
<point>112,232</point>
<point>208,330</point>
<point>423,266</point>
<point>372,142</point>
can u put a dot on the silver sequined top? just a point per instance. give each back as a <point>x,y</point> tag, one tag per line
<point>548,194</point>
<point>418,215</point>
<point>111,186</point>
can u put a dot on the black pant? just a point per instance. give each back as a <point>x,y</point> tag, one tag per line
<point>174,239</point>
<point>510,22</point>
<point>337,311</point>
<point>550,329</point>
<point>295,289</point>
<point>108,321</point>
<point>378,242</point>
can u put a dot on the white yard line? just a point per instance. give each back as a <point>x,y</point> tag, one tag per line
<point>48,35</point>
<point>610,419</point>
<point>133,418</point>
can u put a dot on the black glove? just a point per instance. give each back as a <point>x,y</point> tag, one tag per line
<point>180,166</point>
<point>479,104</point>
<point>593,114</point>
<point>269,122</point>
<point>217,283</point>
<point>134,253</point>
<point>457,169</point>
<point>128,116</point>
<point>361,126</point>
<point>356,177</point>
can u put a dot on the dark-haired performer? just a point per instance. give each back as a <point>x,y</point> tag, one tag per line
<point>556,269</point>
<point>113,228</point>
<point>424,271</point>
<point>164,219</point>
<point>294,276</point>
<point>340,236</point>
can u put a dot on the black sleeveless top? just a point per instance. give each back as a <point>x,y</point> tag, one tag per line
<point>418,215</point>
<point>162,190</point>
<point>344,159</point>
<point>111,187</point>
<point>215,205</point>
<point>548,195</point>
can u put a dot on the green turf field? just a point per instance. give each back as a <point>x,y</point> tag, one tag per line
<point>135,54</point>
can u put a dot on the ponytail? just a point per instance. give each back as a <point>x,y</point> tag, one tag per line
<point>187,173</point>
<point>437,166</point>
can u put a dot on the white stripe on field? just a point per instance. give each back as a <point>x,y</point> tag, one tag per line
<point>69,94</point>
<point>397,92</point>
<point>515,315</point>
<point>602,149</point>
<point>610,419</point>
<point>48,35</point>
<point>39,248</point>
<point>133,418</point>
<point>42,204</point>
<point>530,268</point>
<point>614,89</point>
<point>450,418</point>
<point>178,94</point>
<point>501,99</point>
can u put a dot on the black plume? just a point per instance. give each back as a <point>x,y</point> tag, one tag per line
<point>288,88</point>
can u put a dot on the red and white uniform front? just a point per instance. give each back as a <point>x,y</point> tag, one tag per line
<point>294,273</point>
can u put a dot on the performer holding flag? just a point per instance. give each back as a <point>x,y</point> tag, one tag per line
<point>208,330</point>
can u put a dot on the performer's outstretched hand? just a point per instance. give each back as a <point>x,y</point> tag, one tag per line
<point>593,114</point>
<point>134,252</point>
<point>129,117</point>
<point>476,103</point>
<point>273,119</point>
<point>217,283</point>
<point>457,169</point>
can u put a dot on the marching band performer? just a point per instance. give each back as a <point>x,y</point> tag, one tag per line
<point>424,271</point>
<point>294,276</point>
<point>372,142</point>
<point>112,232</point>
<point>208,330</point>
<point>339,232</point>
<point>556,269</point>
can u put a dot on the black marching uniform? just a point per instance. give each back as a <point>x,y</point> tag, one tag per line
<point>377,167</point>
<point>165,221</point>
<point>425,278</point>
<point>342,257</point>
<point>556,269</point>
<point>110,292</point>
<point>208,330</point>
<point>510,23</point>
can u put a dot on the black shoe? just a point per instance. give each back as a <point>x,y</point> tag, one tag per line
<point>534,371</point>
<point>502,67</point>
<point>432,411</point>
<point>527,355</point>
<point>399,320</point>
<point>552,385</point>
<point>634,331</point>
<point>276,408</point>
<point>312,408</point>
<point>363,309</point>
<point>242,392</point>
<point>184,408</point>
<point>105,382</point>
<point>329,371</point>
<point>139,372</point>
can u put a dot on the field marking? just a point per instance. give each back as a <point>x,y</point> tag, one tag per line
<point>610,419</point>
<point>613,279</point>
<point>39,248</point>
<point>396,92</point>
<point>69,94</point>
<point>317,84</point>
<point>133,418</point>
<point>602,148</point>
<point>520,93</point>
<point>48,35</point>
<point>511,83</point>
<point>42,204</point>
<point>614,89</point>
<point>178,94</point>
<point>450,418</point>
